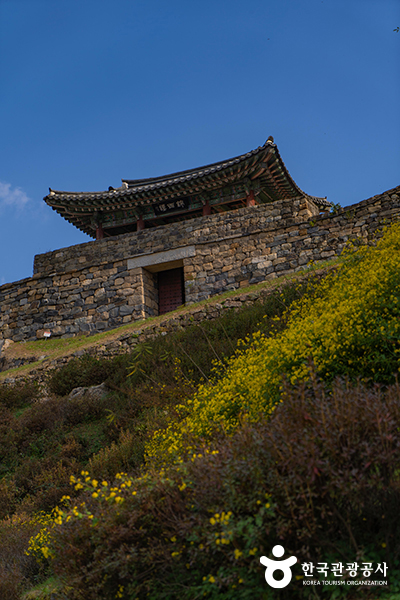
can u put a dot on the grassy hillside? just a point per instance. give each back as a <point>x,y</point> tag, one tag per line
<point>278,423</point>
<point>43,443</point>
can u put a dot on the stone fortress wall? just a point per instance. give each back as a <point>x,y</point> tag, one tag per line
<point>106,283</point>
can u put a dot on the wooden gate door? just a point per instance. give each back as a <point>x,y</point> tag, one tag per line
<point>170,290</point>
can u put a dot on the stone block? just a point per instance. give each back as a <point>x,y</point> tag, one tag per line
<point>265,263</point>
<point>126,310</point>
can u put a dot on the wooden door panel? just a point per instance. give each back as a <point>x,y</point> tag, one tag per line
<point>170,290</point>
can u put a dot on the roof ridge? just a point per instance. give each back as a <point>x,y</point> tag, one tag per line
<point>164,180</point>
<point>219,164</point>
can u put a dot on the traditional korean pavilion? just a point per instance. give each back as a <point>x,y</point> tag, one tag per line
<point>257,177</point>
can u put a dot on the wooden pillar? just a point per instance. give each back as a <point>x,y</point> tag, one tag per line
<point>140,224</point>
<point>99,231</point>
<point>206,209</point>
<point>250,199</point>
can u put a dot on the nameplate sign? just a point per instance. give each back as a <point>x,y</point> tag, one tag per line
<point>171,205</point>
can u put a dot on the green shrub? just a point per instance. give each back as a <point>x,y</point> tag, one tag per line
<point>125,454</point>
<point>16,568</point>
<point>19,395</point>
<point>8,497</point>
<point>79,372</point>
<point>335,468</point>
<point>317,478</point>
<point>41,417</point>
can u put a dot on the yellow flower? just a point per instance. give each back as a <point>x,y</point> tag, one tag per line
<point>355,305</point>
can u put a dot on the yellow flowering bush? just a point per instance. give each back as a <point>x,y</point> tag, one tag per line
<point>16,567</point>
<point>39,544</point>
<point>197,528</point>
<point>200,522</point>
<point>350,327</point>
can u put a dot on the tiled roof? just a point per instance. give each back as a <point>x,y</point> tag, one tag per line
<point>262,166</point>
<point>183,176</point>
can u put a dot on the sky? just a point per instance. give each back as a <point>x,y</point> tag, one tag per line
<point>95,91</point>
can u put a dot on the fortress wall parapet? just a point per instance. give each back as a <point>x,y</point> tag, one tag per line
<point>102,284</point>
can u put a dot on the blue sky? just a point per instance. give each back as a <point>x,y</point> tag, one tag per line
<point>92,91</point>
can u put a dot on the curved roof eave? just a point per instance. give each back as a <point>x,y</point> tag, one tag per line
<point>138,187</point>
